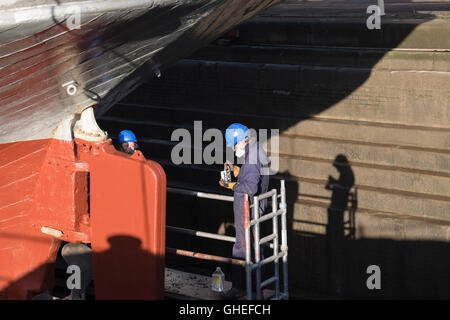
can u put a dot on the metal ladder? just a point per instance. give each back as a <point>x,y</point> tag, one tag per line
<point>280,253</point>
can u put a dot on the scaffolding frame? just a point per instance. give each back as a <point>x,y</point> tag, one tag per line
<point>280,252</point>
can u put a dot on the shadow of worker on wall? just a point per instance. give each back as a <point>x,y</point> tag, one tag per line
<point>340,227</point>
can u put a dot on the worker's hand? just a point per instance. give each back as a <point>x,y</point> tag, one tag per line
<point>229,185</point>
<point>234,169</point>
<point>229,165</point>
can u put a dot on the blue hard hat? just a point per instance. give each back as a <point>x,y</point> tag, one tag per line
<point>235,133</point>
<point>126,136</point>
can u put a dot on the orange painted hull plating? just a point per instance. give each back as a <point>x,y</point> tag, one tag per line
<point>82,192</point>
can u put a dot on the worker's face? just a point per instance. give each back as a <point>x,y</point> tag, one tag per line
<point>240,145</point>
<point>239,148</point>
<point>129,147</point>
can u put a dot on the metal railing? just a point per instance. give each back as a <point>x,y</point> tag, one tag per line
<point>279,210</point>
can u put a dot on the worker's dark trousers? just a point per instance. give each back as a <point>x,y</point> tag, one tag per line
<point>238,272</point>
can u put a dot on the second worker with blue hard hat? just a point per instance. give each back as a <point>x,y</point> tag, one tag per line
<point>127,141</point>
<point>252,179</point>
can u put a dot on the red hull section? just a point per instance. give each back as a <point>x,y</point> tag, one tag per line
<point>44,200</point>
<point>25,253</point>
<point>128,196</point>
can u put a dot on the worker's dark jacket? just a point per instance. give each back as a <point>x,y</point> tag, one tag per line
<point>250,180</point>
<point>253,179</point>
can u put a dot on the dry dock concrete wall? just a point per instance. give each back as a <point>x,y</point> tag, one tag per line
<point>368,109</point>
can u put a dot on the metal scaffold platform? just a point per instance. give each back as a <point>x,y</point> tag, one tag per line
<point>184,285</point>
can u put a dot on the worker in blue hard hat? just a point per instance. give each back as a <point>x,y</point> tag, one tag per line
<point>127,141</point>
<point>252,179</point>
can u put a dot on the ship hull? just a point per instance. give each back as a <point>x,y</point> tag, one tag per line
<point>107,57</point>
